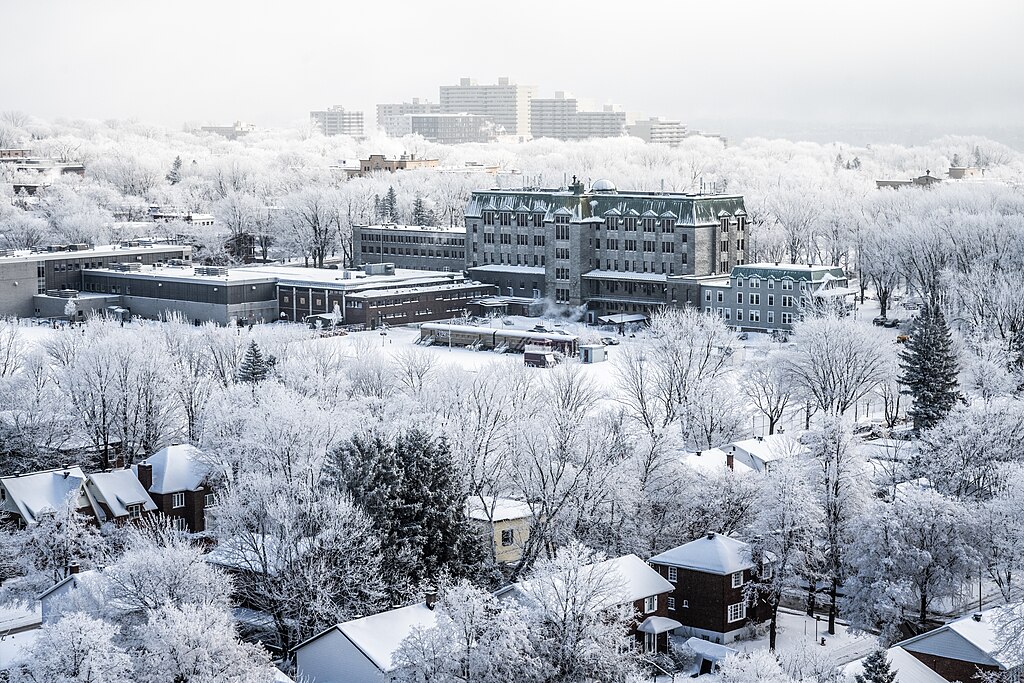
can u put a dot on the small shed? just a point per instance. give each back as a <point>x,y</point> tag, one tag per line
<point>593,353</point>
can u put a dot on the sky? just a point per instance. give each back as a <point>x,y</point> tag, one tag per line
<point>950,65</point>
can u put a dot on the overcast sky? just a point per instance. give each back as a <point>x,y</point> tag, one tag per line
<point>953,63</point>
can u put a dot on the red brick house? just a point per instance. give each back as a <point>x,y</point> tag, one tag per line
<point>709,577</point>
<point>176,479</point>
<point>119,497</point>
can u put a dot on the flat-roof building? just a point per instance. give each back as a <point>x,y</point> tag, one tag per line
<point>338,121</point>
<point>418,247</point>
<point>447,129</point>
<point>505,103</point>
<point>378,162</point>
<point>658,131</point>
<point>389,115</point>
<point>561,118</point>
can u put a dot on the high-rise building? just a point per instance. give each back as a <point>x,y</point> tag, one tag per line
<point>559,117</point>
<point>446,129</point>
<point>389,116</point>
<point>506,104</point>
<point>338,121</point>
<point>658,131</point>
<point>609,251</point>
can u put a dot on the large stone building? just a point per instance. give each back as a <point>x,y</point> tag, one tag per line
<point>417,247</point>
<point>378,162</point>
<point>608,251</point>
<point>561,118</point>
<point>505,104</point>
<point>27,273</point>
<point>338,121</point>
<point>389,116</point>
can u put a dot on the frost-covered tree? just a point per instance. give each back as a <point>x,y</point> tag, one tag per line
<point>75,649</point>
<point>876,669</point>
<point>767,389</point>
<point>174,175</point>
<point>254,367</point>
<point>930,369</point>
<point>759,666</point>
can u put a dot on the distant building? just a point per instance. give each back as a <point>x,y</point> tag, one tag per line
<point>926,180</point>
<point>169,214</point>
<point>232,132</point>
<point>505,103</point>
<point>378,162</point>
<point>560,118</point>
<point>954,173</point>
<point>338,121</point>
<point>598,248</point>
<point>658,131</point>
<point>11,154</point>
<point>417,247</point>
<point>447,129</point>
<point>764,297</point>
<point>389,116</point>
<point>25,274</point>
<point>505,522</point>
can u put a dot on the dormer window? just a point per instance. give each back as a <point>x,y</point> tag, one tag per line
<point>135,511</point>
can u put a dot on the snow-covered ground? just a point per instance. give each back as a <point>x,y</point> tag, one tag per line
<point>11,646</point>
<point>19,615</point>
<point>797,633</point>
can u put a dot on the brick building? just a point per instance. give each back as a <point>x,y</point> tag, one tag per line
<point>176,478</point>
<point>417,247</point>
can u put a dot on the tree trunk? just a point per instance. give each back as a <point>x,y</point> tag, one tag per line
<point>923,616</point>
<point>772,626</point>
<point>812,598</point>
<point>833,590</point>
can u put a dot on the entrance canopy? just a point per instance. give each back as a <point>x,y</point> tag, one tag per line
<point>658,625</point>
<point>620,318</point>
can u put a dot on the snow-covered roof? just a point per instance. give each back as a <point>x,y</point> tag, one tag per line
<point>631,579</point>
<point>73,579</point>
<point>713,461</point>
<point>500,509</point>
<point>709,650</point>
<point>967,640</point>
<point>908,668</point>
<point>770,447</point>
<point>38,492</point>
<point>119,489</point>
<point>714,554</point>
<point>379,635</point>
<point>657,624</point>
<point>176,468</point>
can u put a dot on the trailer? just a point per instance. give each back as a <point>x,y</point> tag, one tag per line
<point>490,339</point>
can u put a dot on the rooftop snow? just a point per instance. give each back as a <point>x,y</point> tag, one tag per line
<point>716,555</point>
<point>379,635</point>
<point>119,489</point>
<point>499,268</point>
<point>500,509</point>
<point>623,275</point>
<point>713,461</point>
<point>908,668</point>
<point>416,228</point>
<point>770,447</point>
<point>35,493</point>
<point>176,468</point>
<point>99,250</point>
<point>630,579</point>
<point>966,640</point>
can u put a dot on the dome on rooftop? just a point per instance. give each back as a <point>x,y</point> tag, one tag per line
<point>603,185</point>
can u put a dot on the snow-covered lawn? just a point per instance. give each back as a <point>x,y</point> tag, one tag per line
<point>796,636</point>
<point>19,615</point>
<point>11,646</point>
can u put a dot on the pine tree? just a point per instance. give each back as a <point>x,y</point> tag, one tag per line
<point>421,213</point>
<point>876,669</point>
<point>929,369</point>
<point>389,205</point>
<point>410,487</point>
<point>174,175</point>
<point>254,368</point>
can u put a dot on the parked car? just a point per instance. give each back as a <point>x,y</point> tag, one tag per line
<point>743,336</point>
<point>609,341</point>
<point>902,339</point>
<point>880,320</point>
<point>891,322</point>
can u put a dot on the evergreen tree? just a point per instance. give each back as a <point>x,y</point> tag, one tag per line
<point>174,175</point>
<point>410,488</point>
<point>876,669</point>
<point>389,205</point>
<point>254,368</point>
<point>929,369</point>
<point>421,213</point>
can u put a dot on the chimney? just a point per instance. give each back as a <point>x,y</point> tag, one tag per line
<point>976,616</point>
<point>711,536</point>
<point>430,597</point>
<point>145,475</point>
<point>74,568</point>
<point>730,460</point>
<point>698,454</point>
<point>760,437</point>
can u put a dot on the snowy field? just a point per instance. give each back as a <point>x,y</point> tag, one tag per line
<point>796,637</point>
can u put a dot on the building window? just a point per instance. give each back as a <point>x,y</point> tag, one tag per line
<point>737,611</point>
<point>721,298</point>
<point>771,298</point>
<point>651,604</point>
<point>787,285</point>
<point>771,284</point>
<point>754,299</point>
<point>739,314</point>
<point>739,297</point>
<point>771,316</point>
<point>178,500</point>
<point>787,318</point>
<point>135,511</point>
<point>508,537</point>
<point>209,500</point>
<point>672,604</point>
<point>787,301</point>
<point>739,282</point>
<point>754,316</point>
<point>707,295</point>
<point>686,603</point>
<point>754,283</point>
<point>737,579</point>
<point>650,642</point>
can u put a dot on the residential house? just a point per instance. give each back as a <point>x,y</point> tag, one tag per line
<point>120,496</point>
<point>25,497</point>
<point>708,578</point>
<point>760,452</point>
<point>51,598</point>
<point>176,479</point>
<point>958,651</point>
<point>505,521</point>
<point>716,460</point>
<point>362,650</point>
<point>631,582</point>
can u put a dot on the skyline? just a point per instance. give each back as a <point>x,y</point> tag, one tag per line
<point>794,63</point>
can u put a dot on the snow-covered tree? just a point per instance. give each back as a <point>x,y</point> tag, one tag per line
<point>254,367</point>
<point>75,649</point>
<point>876,669</point>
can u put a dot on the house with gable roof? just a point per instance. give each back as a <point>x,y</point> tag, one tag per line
<point>119,496</point>
<point>506,523</point>
<point>176,479</point>
<point>708,579</point>
<point>25,497</point>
